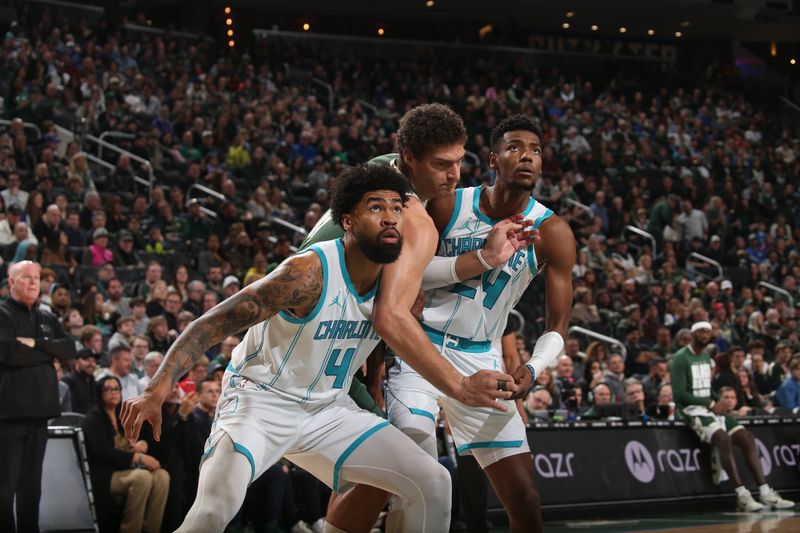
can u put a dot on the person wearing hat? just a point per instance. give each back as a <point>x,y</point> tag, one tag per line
<point>124,255</point>
<point>690,369</point>
<point>99,248</point>
<point>230,286</point>
<point>81,381</point>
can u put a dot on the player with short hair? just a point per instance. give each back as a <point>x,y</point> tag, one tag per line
<point>465,320</point>
<point>309,331</point>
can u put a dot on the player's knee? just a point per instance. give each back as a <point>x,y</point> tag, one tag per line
<point>160,477</point>
<point>437,484</point>
<point>524,503</point>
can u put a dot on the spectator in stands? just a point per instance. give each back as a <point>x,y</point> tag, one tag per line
<point>123,336</point>
<point>151,276</point>
<point>584,312</point>
<point>29,341</point>
<point>545,379</point>
<point>156,298</point>
<point>81,381</point>
<point>752,402</point>
<point>788,394</point>
<point>634,394</point>
<point>115,298</point>
<point>48,231</point>
<point>118,468</point>
<point>226,351</point>
<point>13,194</point>
<point>198,372</point>
<point>120,367</point>
<point>151,363</point>
<point>140,346</point>
<point>180,282</point>
<point>659,374</point>
<point>615,375</point>
<point>663,408</point>
<point>124,254</point>
<point>92,338</point>
<point>139,314</point>
<point>538,404</point>
<point>194,297</point>
<point>7,225</point>
<point>172,308</point>
<point>73,324</point>
<point>210,299</point>
<point>159,333</point>
<point>214,279</point>
<point>230,286</point>
<point>602,394</point>
<point>566,384</point>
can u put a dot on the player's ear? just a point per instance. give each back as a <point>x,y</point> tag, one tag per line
<point>347,222</point>
<point>492,160</point>
<point>407,157</point>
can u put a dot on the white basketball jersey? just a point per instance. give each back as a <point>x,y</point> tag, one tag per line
<point>477,309</point>
<point>312,359</point>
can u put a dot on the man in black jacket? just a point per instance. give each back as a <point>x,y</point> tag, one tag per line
<point>29,341</point>
<point>81,381</point>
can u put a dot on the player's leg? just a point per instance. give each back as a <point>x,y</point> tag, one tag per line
<point>224,477</point>
<point>355,511</point>
<point>744,440</point>
<point>339,451</point>
<point>498,441</point>
<point>512,479</point>
<point>393,462</point>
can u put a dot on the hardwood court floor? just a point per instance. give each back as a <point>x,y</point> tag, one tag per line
<point>711,522</point>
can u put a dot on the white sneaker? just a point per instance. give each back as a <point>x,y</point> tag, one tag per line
<point>300,527</point>
<point>718,474</point>
<point>774,500</point>
<point>318,526</point>
<point>746,503</point>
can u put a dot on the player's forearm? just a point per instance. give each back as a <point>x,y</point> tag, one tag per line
<point>445,271</point>
<point>405,336</point>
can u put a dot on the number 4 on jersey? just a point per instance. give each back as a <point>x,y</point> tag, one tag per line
<point>341,369</point>
<point>491,289</point>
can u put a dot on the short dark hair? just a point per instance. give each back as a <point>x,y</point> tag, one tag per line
<point>207,379</point>
<point>352,184</point>
<point>429,126</point>
<point>118,349</point>
<point>656,361</point>
<point>726,389</point>
<point>515,123</point>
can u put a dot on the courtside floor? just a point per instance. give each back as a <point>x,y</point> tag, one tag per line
<point>691,522</point>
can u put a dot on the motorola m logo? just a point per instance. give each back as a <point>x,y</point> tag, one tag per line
<point>641,465</point>
<point>640,462</point>
<point>783,455</point>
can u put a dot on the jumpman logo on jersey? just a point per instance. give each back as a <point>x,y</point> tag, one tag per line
<point>467,226</point>
<point>336,301</point>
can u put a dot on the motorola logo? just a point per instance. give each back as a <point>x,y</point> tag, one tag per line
<point>640,462</point>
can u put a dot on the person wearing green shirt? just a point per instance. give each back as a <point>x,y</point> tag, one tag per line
<point>690,370</point>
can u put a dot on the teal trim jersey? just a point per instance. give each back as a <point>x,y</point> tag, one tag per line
<point>312,359</point>
<point>326,229</point>
<point>477,309</point>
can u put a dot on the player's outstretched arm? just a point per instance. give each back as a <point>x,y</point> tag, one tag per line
<point>557,248</point>
<point>295,286</point>
<point>394,322</point>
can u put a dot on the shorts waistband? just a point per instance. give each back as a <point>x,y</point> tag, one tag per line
<point>456,343</point>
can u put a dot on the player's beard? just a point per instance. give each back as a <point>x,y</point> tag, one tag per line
<point>377,251</point>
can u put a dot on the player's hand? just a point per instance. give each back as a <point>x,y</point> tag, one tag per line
<point>506,237</point>
<point>136,410</point>
<point>485,387</point>
<point>523,380</point>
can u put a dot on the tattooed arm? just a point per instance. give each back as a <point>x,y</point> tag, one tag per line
<point>295,286</point>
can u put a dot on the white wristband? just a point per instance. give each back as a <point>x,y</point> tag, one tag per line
<point>547,348</point>
<point>486,265</point>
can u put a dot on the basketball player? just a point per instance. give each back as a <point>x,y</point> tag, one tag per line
<point>466,321</point>
<point>309,330</point>
<point>430,144</point>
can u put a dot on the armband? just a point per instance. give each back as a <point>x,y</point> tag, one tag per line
<point>440,272</point>
<point>547,348</point>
